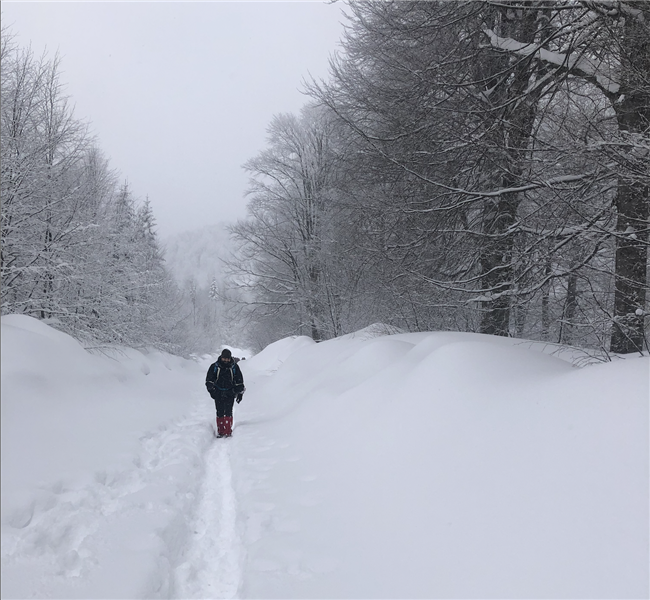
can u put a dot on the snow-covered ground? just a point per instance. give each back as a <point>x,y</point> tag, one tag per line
<point>435,465</point>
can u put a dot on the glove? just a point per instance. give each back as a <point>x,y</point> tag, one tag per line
<point>239,397</point>
<point>210,386</point>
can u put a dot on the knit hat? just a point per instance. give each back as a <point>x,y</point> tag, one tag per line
<point>225,353</point>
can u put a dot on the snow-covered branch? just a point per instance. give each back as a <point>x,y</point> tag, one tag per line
<point>575,63</point>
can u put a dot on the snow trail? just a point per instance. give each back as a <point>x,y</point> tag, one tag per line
<point>213,562</point>
<point>85,535</point>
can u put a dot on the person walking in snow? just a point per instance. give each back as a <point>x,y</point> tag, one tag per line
<point>225,383</point>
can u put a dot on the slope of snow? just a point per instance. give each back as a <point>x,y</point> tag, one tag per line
<point>96,451</point>
<point>449,465</point>
<point>437,465</point>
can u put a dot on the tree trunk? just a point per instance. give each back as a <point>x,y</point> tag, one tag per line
<point>546,301</point>
<point>512,139</point>
<point>632,202</point>
<point>496,264</point>
<point>569,309</point>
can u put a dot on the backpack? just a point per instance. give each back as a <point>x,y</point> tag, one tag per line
<point>217,370</point>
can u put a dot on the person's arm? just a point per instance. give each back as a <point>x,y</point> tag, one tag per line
<point>209,378</point>
<point>239,382</point>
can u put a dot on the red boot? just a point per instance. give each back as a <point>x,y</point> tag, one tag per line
<point>227,426</point>
<point>221,426</point>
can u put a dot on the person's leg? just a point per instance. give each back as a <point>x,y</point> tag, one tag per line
<point>228,404</point>
<point>221,408</point>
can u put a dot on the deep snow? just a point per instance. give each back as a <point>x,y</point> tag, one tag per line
<point>437,465</point>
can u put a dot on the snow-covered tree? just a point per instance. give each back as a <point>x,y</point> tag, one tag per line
<point>76,249</point>
<point>511,180</point>
<point>289,240</point>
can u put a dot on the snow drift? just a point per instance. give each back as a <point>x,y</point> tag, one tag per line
<point>437,465</point>
<point>453,465</point>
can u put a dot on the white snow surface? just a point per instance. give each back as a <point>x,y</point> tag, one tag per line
<point>428,465</point>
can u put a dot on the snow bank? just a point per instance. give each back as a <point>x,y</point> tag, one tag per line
<point>445,465</point>
<point>57,398</point>
<point>88,444</point>
<point>271,358</point>
<point>431,465</point>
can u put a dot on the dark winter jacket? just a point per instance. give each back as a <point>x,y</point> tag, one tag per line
<point>224,377</point>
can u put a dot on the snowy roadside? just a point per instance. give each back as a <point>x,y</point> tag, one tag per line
<point>102,461</point>
<point>113,536</point>
<point>435,465</point>
<point>443,465</point>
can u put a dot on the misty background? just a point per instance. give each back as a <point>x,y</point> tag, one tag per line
<point>179,94</point>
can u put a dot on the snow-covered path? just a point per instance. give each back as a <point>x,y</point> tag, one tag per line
<point>85,533</point>
<point>433,465</point>
<point>211,563</point>
<point>165,526</point>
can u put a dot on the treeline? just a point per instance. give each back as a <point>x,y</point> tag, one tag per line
<point>78,249</point>
<point>475,166</point>
<point>212,310</point>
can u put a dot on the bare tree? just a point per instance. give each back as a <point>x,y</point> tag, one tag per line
<point>472,115</point>
<point>288,239</point>
<point>606,44</point>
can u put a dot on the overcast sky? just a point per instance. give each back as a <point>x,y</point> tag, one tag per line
<point>179,94</point>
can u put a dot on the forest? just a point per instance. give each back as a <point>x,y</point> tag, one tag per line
<point>79,250</point>
<point>478,166</point>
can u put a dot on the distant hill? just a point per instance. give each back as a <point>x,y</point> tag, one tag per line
<point>197,254</point>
